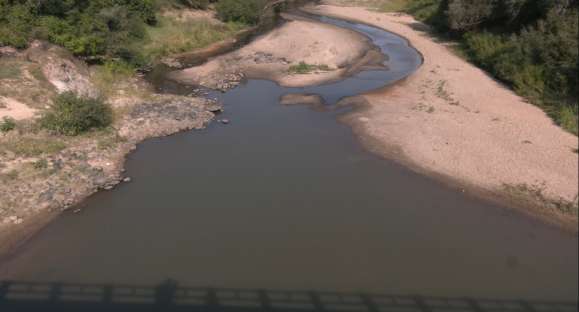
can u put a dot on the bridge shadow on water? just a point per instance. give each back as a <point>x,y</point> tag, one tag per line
<point>169,296</point>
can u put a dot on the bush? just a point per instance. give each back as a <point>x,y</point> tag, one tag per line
<point>194,4</point>
<point>7,124</point>
<point>531,45</point>
<point>73,115</point>
<point>96,28</point>
<point>243,11</point>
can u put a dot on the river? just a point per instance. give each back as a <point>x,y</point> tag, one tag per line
<point>287,198</point>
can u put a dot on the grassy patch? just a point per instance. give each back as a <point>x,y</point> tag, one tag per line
<point>305,68</point>
<point>7,124</point>
<point>172,36</point>
<point>32,147</point>
<point>535,194</point>
<point>110,140</point>
<point>568,119</point>
<point>9,70</point>
<point>393,5</point>
<point>112,75</point>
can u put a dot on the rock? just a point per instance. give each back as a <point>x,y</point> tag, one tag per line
<point>13,220</point>
<point>8,51</point>
<point>172,62</point>
<point>127,179</point>
<point>62,69</point>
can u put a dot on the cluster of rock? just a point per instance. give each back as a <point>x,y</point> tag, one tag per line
<point>225,81</point>
<point>86,166</point>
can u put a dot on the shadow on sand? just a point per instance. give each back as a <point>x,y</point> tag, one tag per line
<point>169,296</point>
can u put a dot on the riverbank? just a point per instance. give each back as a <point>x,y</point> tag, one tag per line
<point>299,53</point>
<point>43,173</point>
<point>453,121</point>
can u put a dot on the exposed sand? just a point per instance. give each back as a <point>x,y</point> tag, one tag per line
<point>271,55</point>
<point>14,109</point>
<point>451,119</point>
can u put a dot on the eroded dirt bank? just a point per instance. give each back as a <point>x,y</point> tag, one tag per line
<point>451,119</point>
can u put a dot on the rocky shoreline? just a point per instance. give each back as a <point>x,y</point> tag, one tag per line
<point>43,174</point>
<point>79,171</point>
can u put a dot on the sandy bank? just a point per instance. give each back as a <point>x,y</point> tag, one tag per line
<point>451,119</point>
<point>331,51</point>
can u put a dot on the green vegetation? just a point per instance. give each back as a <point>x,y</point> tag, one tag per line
<point>96,28</point>
<point>242,11</point>
<point>7,124</point>
<point>9,70</point>
<point>531,45</point>
<point>72,115</point>
<point>105,30</point>
<point>304,68</point>
<point>194,4</point>
<point>40,164</point>
<point>536,194</point>
<point>172,36</point>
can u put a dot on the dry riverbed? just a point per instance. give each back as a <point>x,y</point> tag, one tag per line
<point>451,120</point>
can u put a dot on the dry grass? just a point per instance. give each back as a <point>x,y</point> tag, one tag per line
<point>535,194</point>
<point>9,70</point>
<point>31,146</point>
<point>174,35</point>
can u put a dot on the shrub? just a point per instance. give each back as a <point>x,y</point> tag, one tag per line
<point>73,115</point>
<point>243,11</point>
<point>7,124</point>
<point>96,28</point>
<point>40,164</point>
<point>304,68</point>
<point>531,45</point>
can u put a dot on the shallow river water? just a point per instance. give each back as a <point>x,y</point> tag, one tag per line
<point>286,198</point>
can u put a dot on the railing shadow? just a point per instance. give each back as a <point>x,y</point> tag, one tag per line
<point>169,296</point>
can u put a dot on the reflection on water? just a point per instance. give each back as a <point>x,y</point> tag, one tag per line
<point>286,198</point>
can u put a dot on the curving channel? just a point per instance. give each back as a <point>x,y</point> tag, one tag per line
<point>287,198</point>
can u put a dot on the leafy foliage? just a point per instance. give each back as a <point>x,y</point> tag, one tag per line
<point>243,11</point>
<point>72,115</point>
<point>102,28</point>
<point>529,44</point>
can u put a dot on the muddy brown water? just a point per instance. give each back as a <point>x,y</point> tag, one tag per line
<point>287,198</point>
